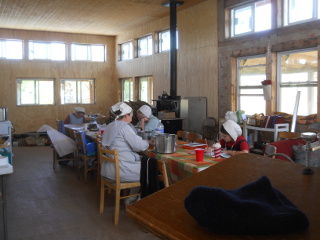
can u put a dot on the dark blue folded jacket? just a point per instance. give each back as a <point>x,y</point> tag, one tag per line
<point>255,208</point>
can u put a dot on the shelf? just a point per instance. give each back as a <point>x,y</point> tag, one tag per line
<point>281,127</point>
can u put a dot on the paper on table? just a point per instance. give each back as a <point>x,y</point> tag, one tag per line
<point>194,144</point>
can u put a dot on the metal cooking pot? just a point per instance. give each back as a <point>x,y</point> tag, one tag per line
<point>165,143</point>
<point>146,135</point>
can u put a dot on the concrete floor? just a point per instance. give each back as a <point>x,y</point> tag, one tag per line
<point>42,204</point>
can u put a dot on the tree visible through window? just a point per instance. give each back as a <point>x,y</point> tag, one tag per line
<point>127,90</point>
<point>35,91</point>
<point>77,91</point>
<point>145,89</point>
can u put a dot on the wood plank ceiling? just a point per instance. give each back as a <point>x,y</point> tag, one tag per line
<point>101,17</point>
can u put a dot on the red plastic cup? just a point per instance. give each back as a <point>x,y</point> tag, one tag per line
<point>101,132</point>
<point>199,154</point>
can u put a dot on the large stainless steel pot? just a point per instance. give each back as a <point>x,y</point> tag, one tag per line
<point>165,143</point>
<point>146,135</point>
<point>3,114</point>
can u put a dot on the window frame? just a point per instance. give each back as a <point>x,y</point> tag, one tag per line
<point>36,92</point>
<point>149,86</point>
<point>79,99</point>
<point>248,87</point>
<point>130,51</point>
<point>293,84</point>
<point>253,8</point>
<point>286,13</point>
<point>49,50</point>
<point>160,40</point>
<point>4,51</point>
<point>89,47</point>
<point>148,38</point>
<point>131,90</point>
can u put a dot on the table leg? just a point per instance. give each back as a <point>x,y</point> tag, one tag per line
<point>4,209</point>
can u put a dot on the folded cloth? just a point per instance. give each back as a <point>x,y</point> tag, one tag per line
<point>255,208</point>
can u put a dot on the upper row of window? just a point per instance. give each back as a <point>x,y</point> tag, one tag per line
<point>257,16</point>
<point>145,45</point>
<point>56,51</point>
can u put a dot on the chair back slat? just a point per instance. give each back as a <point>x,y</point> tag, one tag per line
<point>111,156</point>
<point>163,176</point>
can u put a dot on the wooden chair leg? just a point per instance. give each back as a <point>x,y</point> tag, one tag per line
<point>117,207</point>
<point>102,192</point>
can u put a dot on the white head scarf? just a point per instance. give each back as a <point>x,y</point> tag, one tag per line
<point>122,107</point>
<point>146,110</point>
<point>233,129</point>
<point>80,109</point>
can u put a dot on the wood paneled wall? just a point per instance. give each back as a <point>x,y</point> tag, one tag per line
<point>30,118</point>
<point>197,55</point>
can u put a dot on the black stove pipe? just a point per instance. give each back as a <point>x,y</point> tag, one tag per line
<point>173,46</point>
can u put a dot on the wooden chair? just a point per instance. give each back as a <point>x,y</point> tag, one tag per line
<point>87,151</point>
<point>193,136</point>
<point>205,141</point>
<point>98,141</point>
<point>163,176</point>
<point>116,185</point>
<point>183,135</point>
<point>210,129</point>
<point>288,135</point>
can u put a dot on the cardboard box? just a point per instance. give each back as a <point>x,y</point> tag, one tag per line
<point>166,115</point>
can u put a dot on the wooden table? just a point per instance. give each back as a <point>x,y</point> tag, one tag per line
<point>181,164</point>
<point>163,213</point>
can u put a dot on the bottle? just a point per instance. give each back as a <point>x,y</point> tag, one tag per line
<point>159,128</point>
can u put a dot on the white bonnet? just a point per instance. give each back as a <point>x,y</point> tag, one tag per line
<point>146,110</point>
<point>233,129</point>
<point>80,109</point>
<point>122,107</point>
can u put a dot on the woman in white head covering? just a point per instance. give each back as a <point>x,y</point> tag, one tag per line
<point>232,139</point>
<point>121,135</point>
<point>147,122</point>
<point>77,117</point>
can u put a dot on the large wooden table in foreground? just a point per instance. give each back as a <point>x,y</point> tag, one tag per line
<point>163,213</point>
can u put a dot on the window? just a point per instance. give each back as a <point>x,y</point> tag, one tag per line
<point>145,46</point>
<point>251,72</point>
<point>164,40</point>
<point>297,71</point>
<point>296,11</point>
<point>250,18</point>
<point>88,52</point>
<point>77,91</point>
<point>127,89</point>
<point>10,49</point>
<point>47,50</point>
<point>126,51</point>
<point>146,89</point>
<point>35,91</point>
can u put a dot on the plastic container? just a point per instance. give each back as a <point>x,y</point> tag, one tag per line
<point>159,128</point>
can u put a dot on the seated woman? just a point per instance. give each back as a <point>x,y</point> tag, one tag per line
<point>232,139</point>
<point>121,135</point>
<point>77,117</point>
<point>147,121</point>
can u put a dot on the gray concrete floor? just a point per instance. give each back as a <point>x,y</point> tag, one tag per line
<point>42,204</point>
